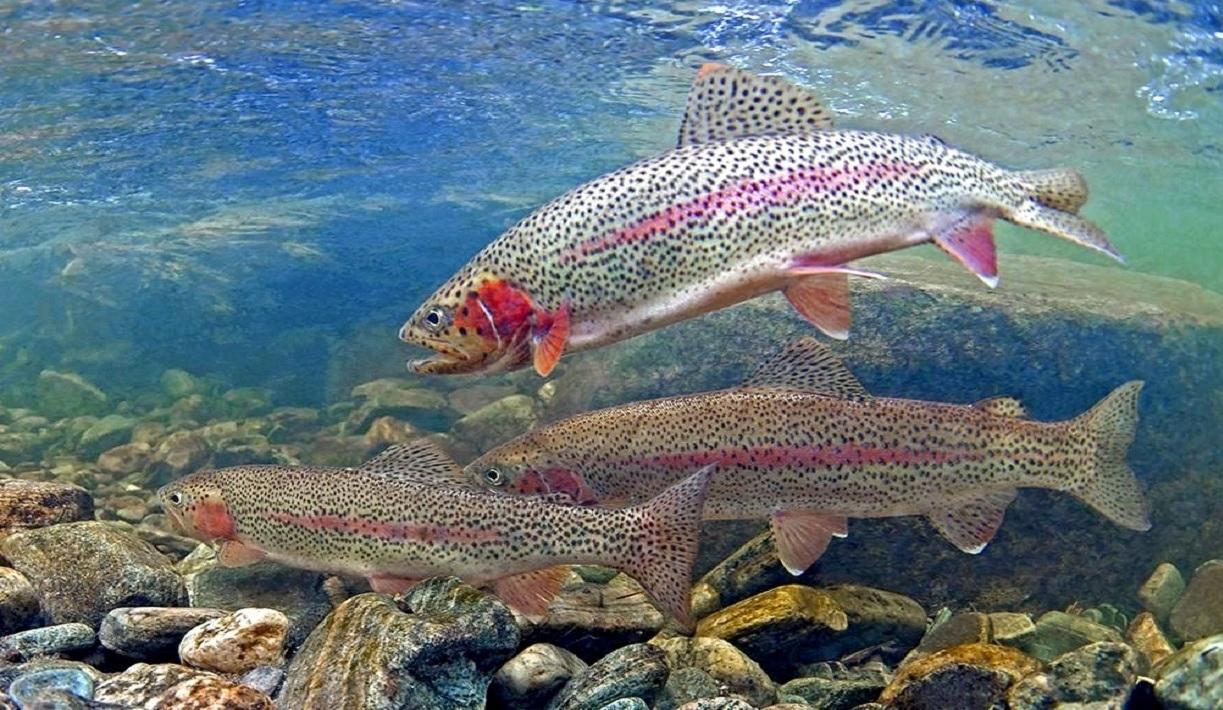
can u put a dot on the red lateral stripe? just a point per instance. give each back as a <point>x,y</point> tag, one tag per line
<point>383,530</point>
<point>780,457</point>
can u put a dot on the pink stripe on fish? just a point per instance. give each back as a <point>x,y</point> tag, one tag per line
<point>747,198</point>
<point>779,457</point>
<point>383,530</point>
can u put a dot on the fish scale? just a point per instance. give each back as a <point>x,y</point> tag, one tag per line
<point>755,199</point>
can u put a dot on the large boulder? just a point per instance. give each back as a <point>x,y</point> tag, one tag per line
<point>438,646</point>
<point>36,504</point>
<point>83,570</point>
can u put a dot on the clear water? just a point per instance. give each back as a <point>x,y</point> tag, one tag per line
<point>237,189</point>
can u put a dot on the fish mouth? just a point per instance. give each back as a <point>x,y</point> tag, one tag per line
<point>449,359</point>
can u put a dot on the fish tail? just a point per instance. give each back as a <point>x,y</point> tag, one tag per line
<point>665,544</point>
<point>1109,485</point>
<point>1053,200</point>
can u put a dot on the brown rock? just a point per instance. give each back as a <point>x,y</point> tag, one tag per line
<point>125,459</point>
<point>35,504</point>
<point>1199,612</point>
<point>776,622</point>
<point>212,693</point>
<point>1145,635</point>
<point>592,619</point>
<point>969,675</point>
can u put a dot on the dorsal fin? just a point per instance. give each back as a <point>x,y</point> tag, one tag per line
<point>726,102</point>
<point>807,365</point>
<point>419,461</point>
<point>1003,407</point>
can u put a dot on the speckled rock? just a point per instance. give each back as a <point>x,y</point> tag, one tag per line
<point>27,687</point>
<point>1148,639</point>
<point>1199,611</point>
<point>125,459</point>
<point>532,677</point>
<point>832,686</point>
<point>773,626</point>
<point>497,422</point>
<point>66,394</point>
<point>733,671</point>
<point>83,570</point>
<point>1058,632</point>
<point>36,504</point>
<point>1096,673</point>
<point>626,704</point>
<point>685,685</point>
<point>635,671</point>
<point>298,594</point>
<point>1161,591</point>
<point>237,642</point>
<point>143,684</point>
<point>47,641</point>
<point>211,692</point>
<point>975,675</point>
<point>19,606</point>
<point>594,618</point>
<point>108,432</point>
<point>150,633</point>
<point>1192,678</point>
<point>177,455</point>
<point>718,703</point>
<point>438,646</point>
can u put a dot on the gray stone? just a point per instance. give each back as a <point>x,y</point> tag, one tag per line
<point>393,397</point>
<point>28,686</point>
<point>125,459</point>
<point>495,423</point>
<point>1161,591</point>
<point>108,432</point>
<point>592,619</point>
<point>438,648</point>
<point>469,399</point>
<point>532,677</point>
<point>238,642</point>
<point>65,394</point>
<point>143,684</point>
<point>838,688</point>
<point>719,703</point>
<point>47,641</point>
<point>1192,678</point>
<point>242,402</point>
<point>291,423</point>
<point>685,685</point>
<point>35,504</point>
<point>733,672</point>
<point>19,607</point>
<point>1097,673</point>
<point>150,633</point>
<point>1199,611</point>
<point>1010,628</point>
<point>178,383</point>
<point>265,679</point>
<point>299,594</point>
<point>83,570</point>
<point>635,671</point>
<point>177,455</point>
<point>964,627</point>
<point>1058,632</point>
<point>626,704</point>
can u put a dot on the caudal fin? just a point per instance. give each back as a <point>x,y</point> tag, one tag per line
<point>1054,198</point>
<point>1110,486</point>
<point>666,543</point>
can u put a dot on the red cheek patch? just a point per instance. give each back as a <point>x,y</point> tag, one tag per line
<point>212,518</point>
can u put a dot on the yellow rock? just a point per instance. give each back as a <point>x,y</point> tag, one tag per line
<point>1145,635</point>
<point>775,618</point>
<point>1013,662</point>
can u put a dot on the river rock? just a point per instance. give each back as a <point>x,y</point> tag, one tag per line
<point>466,400</point>
<point>635,671</point>
<point>243,402</point>
<point>719,703</point>
<point>47,641</point>
<point>393,397</point>
<point>19,607</point>
<point>956,629</point>
<point>66,394</point>
<point>178,383</point>
<point>495,423</point>
<point>83,570</point>
<point>779,626</point>
<point>752,568</point>
<point>877,617</point>
<point>237,642</point>
<point>684,686</point>
<point>210,691</point>
<point>1096,673</point>
<point>626,704</point>
<point>731,670</point>
<point>437,649</point>
<point>291,423</point>
<point>1161,591</point>
<point>974,675</point>
<point>150,633</point>
<point>35,504</point>
<point>1058,632</point>
<point>832,686</point>
<point>109,431</point>
<point>29,686</point>
<point>177,455</point>
<point>384,432</point>
<point>265,679</point>
<point>125,459</point>
<point>1148,639</point>
<point>592,618</point>
<point>298,594</point>
<point>1199,611</point>
<point>1010,628</point>
<point>1192,678</point>
<point>142,685</point>
<point>532,677</point>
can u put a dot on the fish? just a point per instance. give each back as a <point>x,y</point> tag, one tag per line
<point>760,195</point>
<point>405,516</point>
<point>802,444</point>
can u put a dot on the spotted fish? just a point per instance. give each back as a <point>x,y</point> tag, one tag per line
<point>802,444</point>
<point>761,195</point>
<point>405,516</point>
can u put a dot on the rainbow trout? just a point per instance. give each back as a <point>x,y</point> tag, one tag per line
<point>405,516</point>
<point>802,444</point>
<point>761,195</point>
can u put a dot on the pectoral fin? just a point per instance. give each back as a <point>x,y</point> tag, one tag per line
<point>803,535</point>
<point>971,521</point>
<point>532,592</point>
<point>235,554</point>
<point>548,339</point>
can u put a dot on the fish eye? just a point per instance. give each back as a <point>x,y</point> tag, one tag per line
<point>494,477</point>
<point>436,318</point>
<point>175,498</point>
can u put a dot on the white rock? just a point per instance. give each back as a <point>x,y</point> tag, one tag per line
<point>237,642</point>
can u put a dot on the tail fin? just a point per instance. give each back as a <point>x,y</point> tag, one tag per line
<point>666,544</point>
<point>1060,188</point>
<point>1110,486</point>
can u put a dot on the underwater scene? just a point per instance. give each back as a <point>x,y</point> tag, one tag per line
<point>611,356</point>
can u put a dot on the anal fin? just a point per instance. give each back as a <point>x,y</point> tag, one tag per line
<point>532,592</point>
<point>822,299</point>
<point>971,521</point>
<point>802,536</point>
<point>970,241</point>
